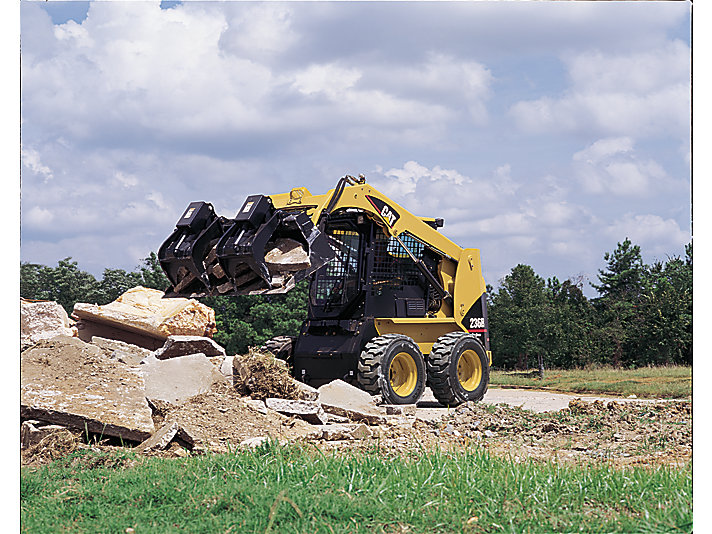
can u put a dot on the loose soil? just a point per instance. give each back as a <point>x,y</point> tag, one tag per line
<point>619,433</point>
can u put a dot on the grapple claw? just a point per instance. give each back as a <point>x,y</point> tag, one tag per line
<point>261,250</point>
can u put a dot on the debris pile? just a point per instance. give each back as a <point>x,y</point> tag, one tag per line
<point>142,316</point>
<point>41,319</point>
<point>261,375</point>
<point>187,396</point>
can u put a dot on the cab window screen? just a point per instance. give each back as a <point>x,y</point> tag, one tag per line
<point>337,282</point>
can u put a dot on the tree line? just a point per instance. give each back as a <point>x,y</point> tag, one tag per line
<point>642,315</point>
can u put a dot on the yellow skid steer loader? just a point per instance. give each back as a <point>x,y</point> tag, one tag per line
<point>394,306</point>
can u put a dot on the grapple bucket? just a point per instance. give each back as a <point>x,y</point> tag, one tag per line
<point>261,250</point>
<point>267,250</point>
<point>185,256</point>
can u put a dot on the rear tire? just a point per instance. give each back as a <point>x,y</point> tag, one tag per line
<point>392,366</point>
<point>458,369</point>
<point>281,347</point>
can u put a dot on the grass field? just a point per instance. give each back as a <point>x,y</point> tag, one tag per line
<point>294,489</point>
<point>651,382</point>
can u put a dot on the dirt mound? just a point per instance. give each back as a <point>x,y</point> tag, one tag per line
<point>222,418</point>
<point>261,375</point>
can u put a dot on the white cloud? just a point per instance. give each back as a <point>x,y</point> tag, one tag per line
<point>655,234</point>
<point>31,160</point>
<point>330,80</point>
<point>37,217</point>
<point>611,166</point>
<point>261,30</point>
<point>125,179</point>
<point>440,78</point>
<point>641,93</point>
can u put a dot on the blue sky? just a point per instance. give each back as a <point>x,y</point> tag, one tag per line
<point>542,132</point>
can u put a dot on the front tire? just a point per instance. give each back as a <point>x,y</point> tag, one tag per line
<point>458,369</point>
<point>392,366</point>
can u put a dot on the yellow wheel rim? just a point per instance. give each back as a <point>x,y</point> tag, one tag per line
<point>403,374</point>
<point>469,370</point>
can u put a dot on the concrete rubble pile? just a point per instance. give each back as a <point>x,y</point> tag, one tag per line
<point>42,320</point>
<point>185,393</point>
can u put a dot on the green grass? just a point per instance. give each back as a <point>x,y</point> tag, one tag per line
<point>291,489</point>
<point>652,382</point>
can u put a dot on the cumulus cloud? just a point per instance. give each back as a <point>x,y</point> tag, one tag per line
<point>32,161</point>
<point>134,111</point>
<point>610,166</point>
<point>645,93</point>
<point>655,234</point>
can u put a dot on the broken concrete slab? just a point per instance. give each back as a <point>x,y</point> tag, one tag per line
<point>401,409</point>
<point>69,382</point>
<point>310,411</point>
<point>41,320</point>
<point>159,440</point>
<point>168,433</point>
<point>341,398</point>
<point>184,345</point>
<point>342,431</point>
<point>124,352</point>
<point>145,312</point>
<point>177,379</point>
<point>287,255</point>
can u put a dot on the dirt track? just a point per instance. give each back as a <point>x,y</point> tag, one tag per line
<point>535,400</point>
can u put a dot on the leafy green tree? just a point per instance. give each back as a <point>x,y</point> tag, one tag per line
<point>621,286</point>
<point>519,313</point>
<point>571,333</point>
<point>66,284</point>
<point>113,284</point>
<point>663,326</point>
<point>151,274</point>
<point>249,320</point>
<point>623,278</point>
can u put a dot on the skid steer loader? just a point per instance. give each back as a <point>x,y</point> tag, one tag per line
<point>393,304</point>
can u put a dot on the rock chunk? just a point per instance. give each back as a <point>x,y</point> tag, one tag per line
<point>68,382</point>
<point>341,398</point>
<point>165,436</point>
<point>401,409</point>
<point>342,431</point>
<point>310,411</point>
<point>144,312</point>
<point>179,378</point>
<point>42,320</point>
<point>184,345</point>
<point>287,255</point>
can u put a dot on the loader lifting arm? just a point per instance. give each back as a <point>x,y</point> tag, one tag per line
<point>461,284</point>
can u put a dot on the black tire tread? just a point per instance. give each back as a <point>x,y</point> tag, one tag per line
<point>280,345</point>
<point>438,364</point>
<point>370,360</point>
